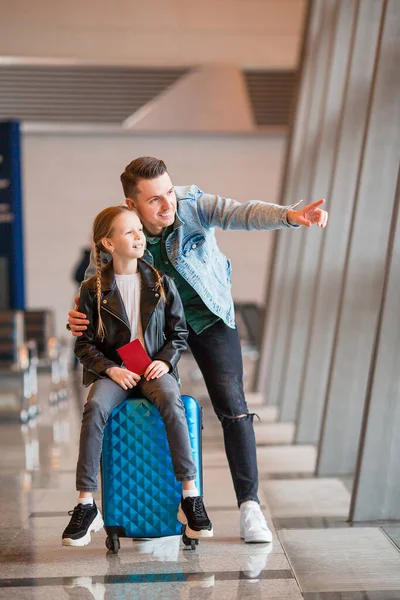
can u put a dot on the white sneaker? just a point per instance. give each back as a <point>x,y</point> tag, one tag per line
<point>253,526</point>
<point>165,548</point>
<point>196,581</point>
<point>97,590</point>
<point>254,563</point>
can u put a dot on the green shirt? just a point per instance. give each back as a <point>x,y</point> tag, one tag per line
<point>197,315</point>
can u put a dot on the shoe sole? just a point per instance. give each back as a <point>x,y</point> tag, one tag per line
<point>257,539</point>
<point>95,526</point>
<point>192,534</point>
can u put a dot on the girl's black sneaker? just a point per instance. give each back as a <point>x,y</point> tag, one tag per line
<point>84,519</point>
<point>193,514</point>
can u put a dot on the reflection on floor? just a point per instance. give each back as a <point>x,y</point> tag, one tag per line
<point>314,554</point>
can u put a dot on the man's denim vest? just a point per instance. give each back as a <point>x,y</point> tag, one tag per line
<point>192,246</point>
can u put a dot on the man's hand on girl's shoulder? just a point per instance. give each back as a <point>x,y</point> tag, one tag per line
<point>77,322</point>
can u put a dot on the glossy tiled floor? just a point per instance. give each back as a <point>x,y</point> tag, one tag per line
<point>306,559</point>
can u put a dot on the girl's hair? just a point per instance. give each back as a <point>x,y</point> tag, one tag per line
<point>102,227</point>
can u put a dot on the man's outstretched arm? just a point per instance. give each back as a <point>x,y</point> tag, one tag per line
<point>217,211</point>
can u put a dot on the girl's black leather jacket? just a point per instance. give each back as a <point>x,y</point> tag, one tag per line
<point>164,325</point>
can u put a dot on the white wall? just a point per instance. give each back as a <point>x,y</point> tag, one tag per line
<point>68,179</point>
<point>263,33</point>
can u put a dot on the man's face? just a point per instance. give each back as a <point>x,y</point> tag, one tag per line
<point>155,201</point>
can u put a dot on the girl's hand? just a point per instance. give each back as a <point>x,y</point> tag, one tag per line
<point>156,369</point>
<point>126,379</point>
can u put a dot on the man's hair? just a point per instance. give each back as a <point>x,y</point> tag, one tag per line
<point>144,167</point>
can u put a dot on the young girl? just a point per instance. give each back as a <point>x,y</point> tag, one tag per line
<point>125,300</point>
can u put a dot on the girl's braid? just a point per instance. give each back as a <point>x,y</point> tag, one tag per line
<point>159,285</point>
<point>101,331</point>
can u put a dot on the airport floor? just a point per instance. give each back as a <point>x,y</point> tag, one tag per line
<point>315,554</point>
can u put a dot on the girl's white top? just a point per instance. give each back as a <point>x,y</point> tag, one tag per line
<point>129,288</point>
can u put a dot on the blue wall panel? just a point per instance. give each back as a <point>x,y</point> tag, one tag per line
<point>12,288</point>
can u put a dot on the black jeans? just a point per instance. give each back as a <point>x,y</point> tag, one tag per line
<point>218,353</point>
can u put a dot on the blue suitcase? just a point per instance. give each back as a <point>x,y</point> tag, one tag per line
<point>140,494</point>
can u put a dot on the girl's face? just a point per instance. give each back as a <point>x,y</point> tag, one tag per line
<point>127,238</point>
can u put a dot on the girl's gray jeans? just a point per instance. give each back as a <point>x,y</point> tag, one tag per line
<point>104,396</point>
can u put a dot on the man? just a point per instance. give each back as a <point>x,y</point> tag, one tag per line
<point>179,224</point>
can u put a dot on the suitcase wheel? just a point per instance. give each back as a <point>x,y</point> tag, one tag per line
<point>113,544</point>
<point>189,542</point>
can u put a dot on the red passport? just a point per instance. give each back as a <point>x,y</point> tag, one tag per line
<point>135,357</point>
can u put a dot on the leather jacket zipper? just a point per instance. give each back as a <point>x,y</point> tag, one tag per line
<point>159,336</point>
<point>114,315</point>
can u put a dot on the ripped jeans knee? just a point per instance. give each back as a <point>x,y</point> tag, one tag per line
<point>228,420</point>
<point>240,446</point>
